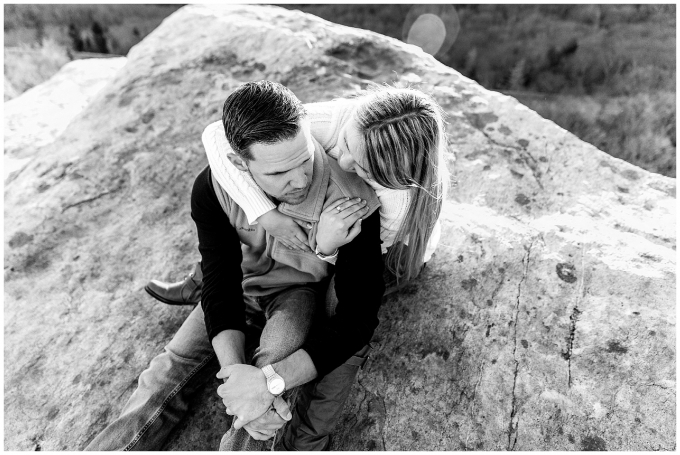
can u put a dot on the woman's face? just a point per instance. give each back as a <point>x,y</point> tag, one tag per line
<point>352,157</point>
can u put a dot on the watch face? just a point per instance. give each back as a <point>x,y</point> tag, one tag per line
<point>276,386</point>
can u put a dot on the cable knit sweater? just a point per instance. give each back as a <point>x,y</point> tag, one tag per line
<point>326,120</point>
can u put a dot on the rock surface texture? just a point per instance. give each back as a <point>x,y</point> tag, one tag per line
<point>43,112</point>
<point>546,320</point>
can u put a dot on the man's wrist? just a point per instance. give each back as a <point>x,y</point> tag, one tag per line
<point>296,369</point>
<point>275,383</point>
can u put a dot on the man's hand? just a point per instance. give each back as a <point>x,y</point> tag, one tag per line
<point>244,393</point>
<point>286,230</point>
<point>265,426</point>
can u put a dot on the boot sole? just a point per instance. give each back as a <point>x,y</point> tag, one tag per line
<point>164,300</point>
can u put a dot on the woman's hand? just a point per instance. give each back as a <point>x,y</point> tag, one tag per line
<point>340,222</point>
<point>286,230</point>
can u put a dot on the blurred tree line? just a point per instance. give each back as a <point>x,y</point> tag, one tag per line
<point>578,49</point>
<point>83,28</point>
<point>604,72</point>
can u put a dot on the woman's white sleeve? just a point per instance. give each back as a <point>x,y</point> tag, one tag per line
<point>320,115</point>
<point>393,209</point>
<point>238,184</point>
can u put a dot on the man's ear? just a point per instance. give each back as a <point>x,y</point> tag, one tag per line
<point>237,161</point>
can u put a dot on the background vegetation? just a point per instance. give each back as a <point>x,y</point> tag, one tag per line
<point>604,72</point>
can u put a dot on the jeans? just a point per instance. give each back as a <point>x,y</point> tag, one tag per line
<point>319,405</point>
<point>320,402</point>
<point>188,361</point>
<point>164,389</point>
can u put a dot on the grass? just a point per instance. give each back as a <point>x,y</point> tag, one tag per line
<point>31,65</point>
<point>493,40</point>
<point>639,129</point>
<point>124,25</point>
<point>40,43</point>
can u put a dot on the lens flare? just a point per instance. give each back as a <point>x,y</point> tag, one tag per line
<point>428,32</point>
<point>434,28</point>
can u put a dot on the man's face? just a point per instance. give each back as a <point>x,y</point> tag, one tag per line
<point>284,170</point>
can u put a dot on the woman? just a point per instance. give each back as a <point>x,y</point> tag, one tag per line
<point>394,139</point>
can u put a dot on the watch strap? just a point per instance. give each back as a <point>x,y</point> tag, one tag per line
<point>268,371</point>
<point>273,378</point>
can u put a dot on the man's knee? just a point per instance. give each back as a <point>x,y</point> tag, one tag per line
<point>320,404</point>
<point>190,341</point>
<point>290,317</point>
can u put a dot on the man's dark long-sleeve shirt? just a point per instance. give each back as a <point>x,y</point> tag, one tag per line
<point>358,281</point>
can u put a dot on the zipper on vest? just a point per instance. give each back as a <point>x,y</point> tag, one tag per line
<point>268,252</point>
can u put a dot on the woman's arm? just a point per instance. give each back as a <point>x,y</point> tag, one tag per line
<point>359,288</point>
<point>326,119</point>
<point>339,224</point>
<point>220,248</point>
<point>239,185</point>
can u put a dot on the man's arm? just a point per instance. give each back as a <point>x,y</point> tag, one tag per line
<point>245,391</point>
<point>222,295</point>
<point>359,287</point>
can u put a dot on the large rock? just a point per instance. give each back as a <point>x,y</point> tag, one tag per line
<point>42,113</point>
<point>546,320</point>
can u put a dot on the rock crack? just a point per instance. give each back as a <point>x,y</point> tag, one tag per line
<point>514,426</point>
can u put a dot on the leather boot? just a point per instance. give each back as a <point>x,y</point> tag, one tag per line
<point>185,292</point>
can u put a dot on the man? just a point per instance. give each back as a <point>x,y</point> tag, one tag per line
<point>249,275</point>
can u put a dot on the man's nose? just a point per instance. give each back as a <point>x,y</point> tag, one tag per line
<point>299,180</point>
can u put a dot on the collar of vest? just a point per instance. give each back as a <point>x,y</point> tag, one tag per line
<point>310,209</point>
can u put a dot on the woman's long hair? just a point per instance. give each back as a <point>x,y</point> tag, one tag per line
<point>403,130</point>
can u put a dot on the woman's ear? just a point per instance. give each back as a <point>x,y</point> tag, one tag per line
<point>237,161</point>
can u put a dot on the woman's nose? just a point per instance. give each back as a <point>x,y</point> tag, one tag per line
<point>346,161</point>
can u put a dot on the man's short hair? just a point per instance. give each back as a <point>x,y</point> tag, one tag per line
<point>260,112</point>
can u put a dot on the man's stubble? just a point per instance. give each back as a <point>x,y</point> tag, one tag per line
<point>290,200</point>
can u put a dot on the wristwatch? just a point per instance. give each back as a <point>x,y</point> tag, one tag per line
<point>325,257</point>
<point>275,383</point>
